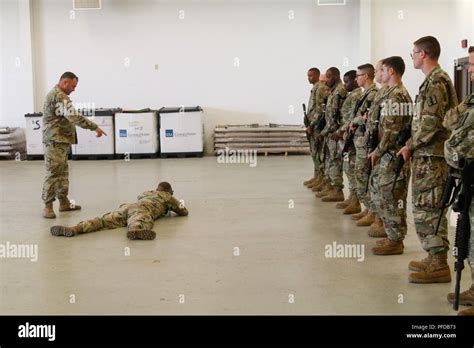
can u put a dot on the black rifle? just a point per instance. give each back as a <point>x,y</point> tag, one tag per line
<point>306,122</point>
<point>402,138</point>
<point>321,123</point>
<point>350,134</point>
<point>372,142</point>
<point>463,225</point>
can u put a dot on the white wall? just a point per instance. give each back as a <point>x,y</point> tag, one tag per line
<point>195,55</point>
<point>394,32</point>
<point>16,66</point>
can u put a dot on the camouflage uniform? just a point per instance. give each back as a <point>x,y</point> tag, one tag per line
<point>360,139</point>
<point>321,95</point>
<point>333,160</point>
<point>348,160</point>
<point>461,145</point>
<point>395,114</point>
<point>436,96</point>
<point>59,121</point>
<point>310,117</point>
<point>137,216</point>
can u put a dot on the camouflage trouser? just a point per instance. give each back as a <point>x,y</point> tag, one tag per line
<point>334,164</point>
<point>56,180</point>
<point>390,206</point>
<point>348,165</point>
<point>429,177</point>
<point>315,148</point>
<point>361,172</point>
<point>134,216</point>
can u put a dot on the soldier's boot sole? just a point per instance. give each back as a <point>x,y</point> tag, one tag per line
<point>440,276</point>
<point>466,298</point>
<point>63,231</point>
<point>141,234</point>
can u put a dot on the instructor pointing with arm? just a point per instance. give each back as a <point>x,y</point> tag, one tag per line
<point>59,132</point>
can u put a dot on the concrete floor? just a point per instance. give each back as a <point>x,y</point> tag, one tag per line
<point>281,249</point>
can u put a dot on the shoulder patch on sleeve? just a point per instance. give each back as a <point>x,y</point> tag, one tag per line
<point>432,100</point>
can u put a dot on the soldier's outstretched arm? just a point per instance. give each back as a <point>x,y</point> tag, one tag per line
<point>72,115</point>
<point>178,207</point>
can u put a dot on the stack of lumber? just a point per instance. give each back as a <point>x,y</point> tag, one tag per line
<point>272,138</point>
<point>12,143</point>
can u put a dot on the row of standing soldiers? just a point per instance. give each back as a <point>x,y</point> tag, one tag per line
<point>379,137</point>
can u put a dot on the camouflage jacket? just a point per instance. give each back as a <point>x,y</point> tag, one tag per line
<point>60,119</point>
<point>312,103</point>
<point>370,95</point>
<point>320,101</point>
<point>436,96</point>
<point>333,109</point>
<point>460,144</point>
<point>160,202</point>
<point>348,107</point>
<point>452,116</point>
<point>396,113</point>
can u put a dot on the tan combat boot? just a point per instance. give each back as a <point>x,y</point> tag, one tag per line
<point>377,230</point>
<point>336,195</point>
<point>469,312</point>
<point>436,272</point>
<point>65,231</point>
<point>419,266</point>
<point>309,181</point>
<point>325,191</point>
<point>48,211</point>
<point>353,207</point>
<point>320,186</point>
<point>367,220</point>
<point>388,247</point>
<point>466,298</point>
<point>141,234</point>
<point>315,183</point>
<point>360,215</point>
<point>66,205</point>
<point>345,204</point>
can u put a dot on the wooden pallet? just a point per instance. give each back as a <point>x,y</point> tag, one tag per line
<point>265,139</point>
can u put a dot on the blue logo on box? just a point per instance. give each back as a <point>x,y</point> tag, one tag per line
<point>122,133</point>
<point>169,133</point>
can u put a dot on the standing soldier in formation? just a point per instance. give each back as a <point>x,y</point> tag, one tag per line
<point>362,121</point>
<point>313,78</point>
<point>354,93</point>
<point>332,159</point>
<point>426,147</point>
<point>393,120</point>
<point>320,103</point>
<point>461,145</point>
<point>59,121</point>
